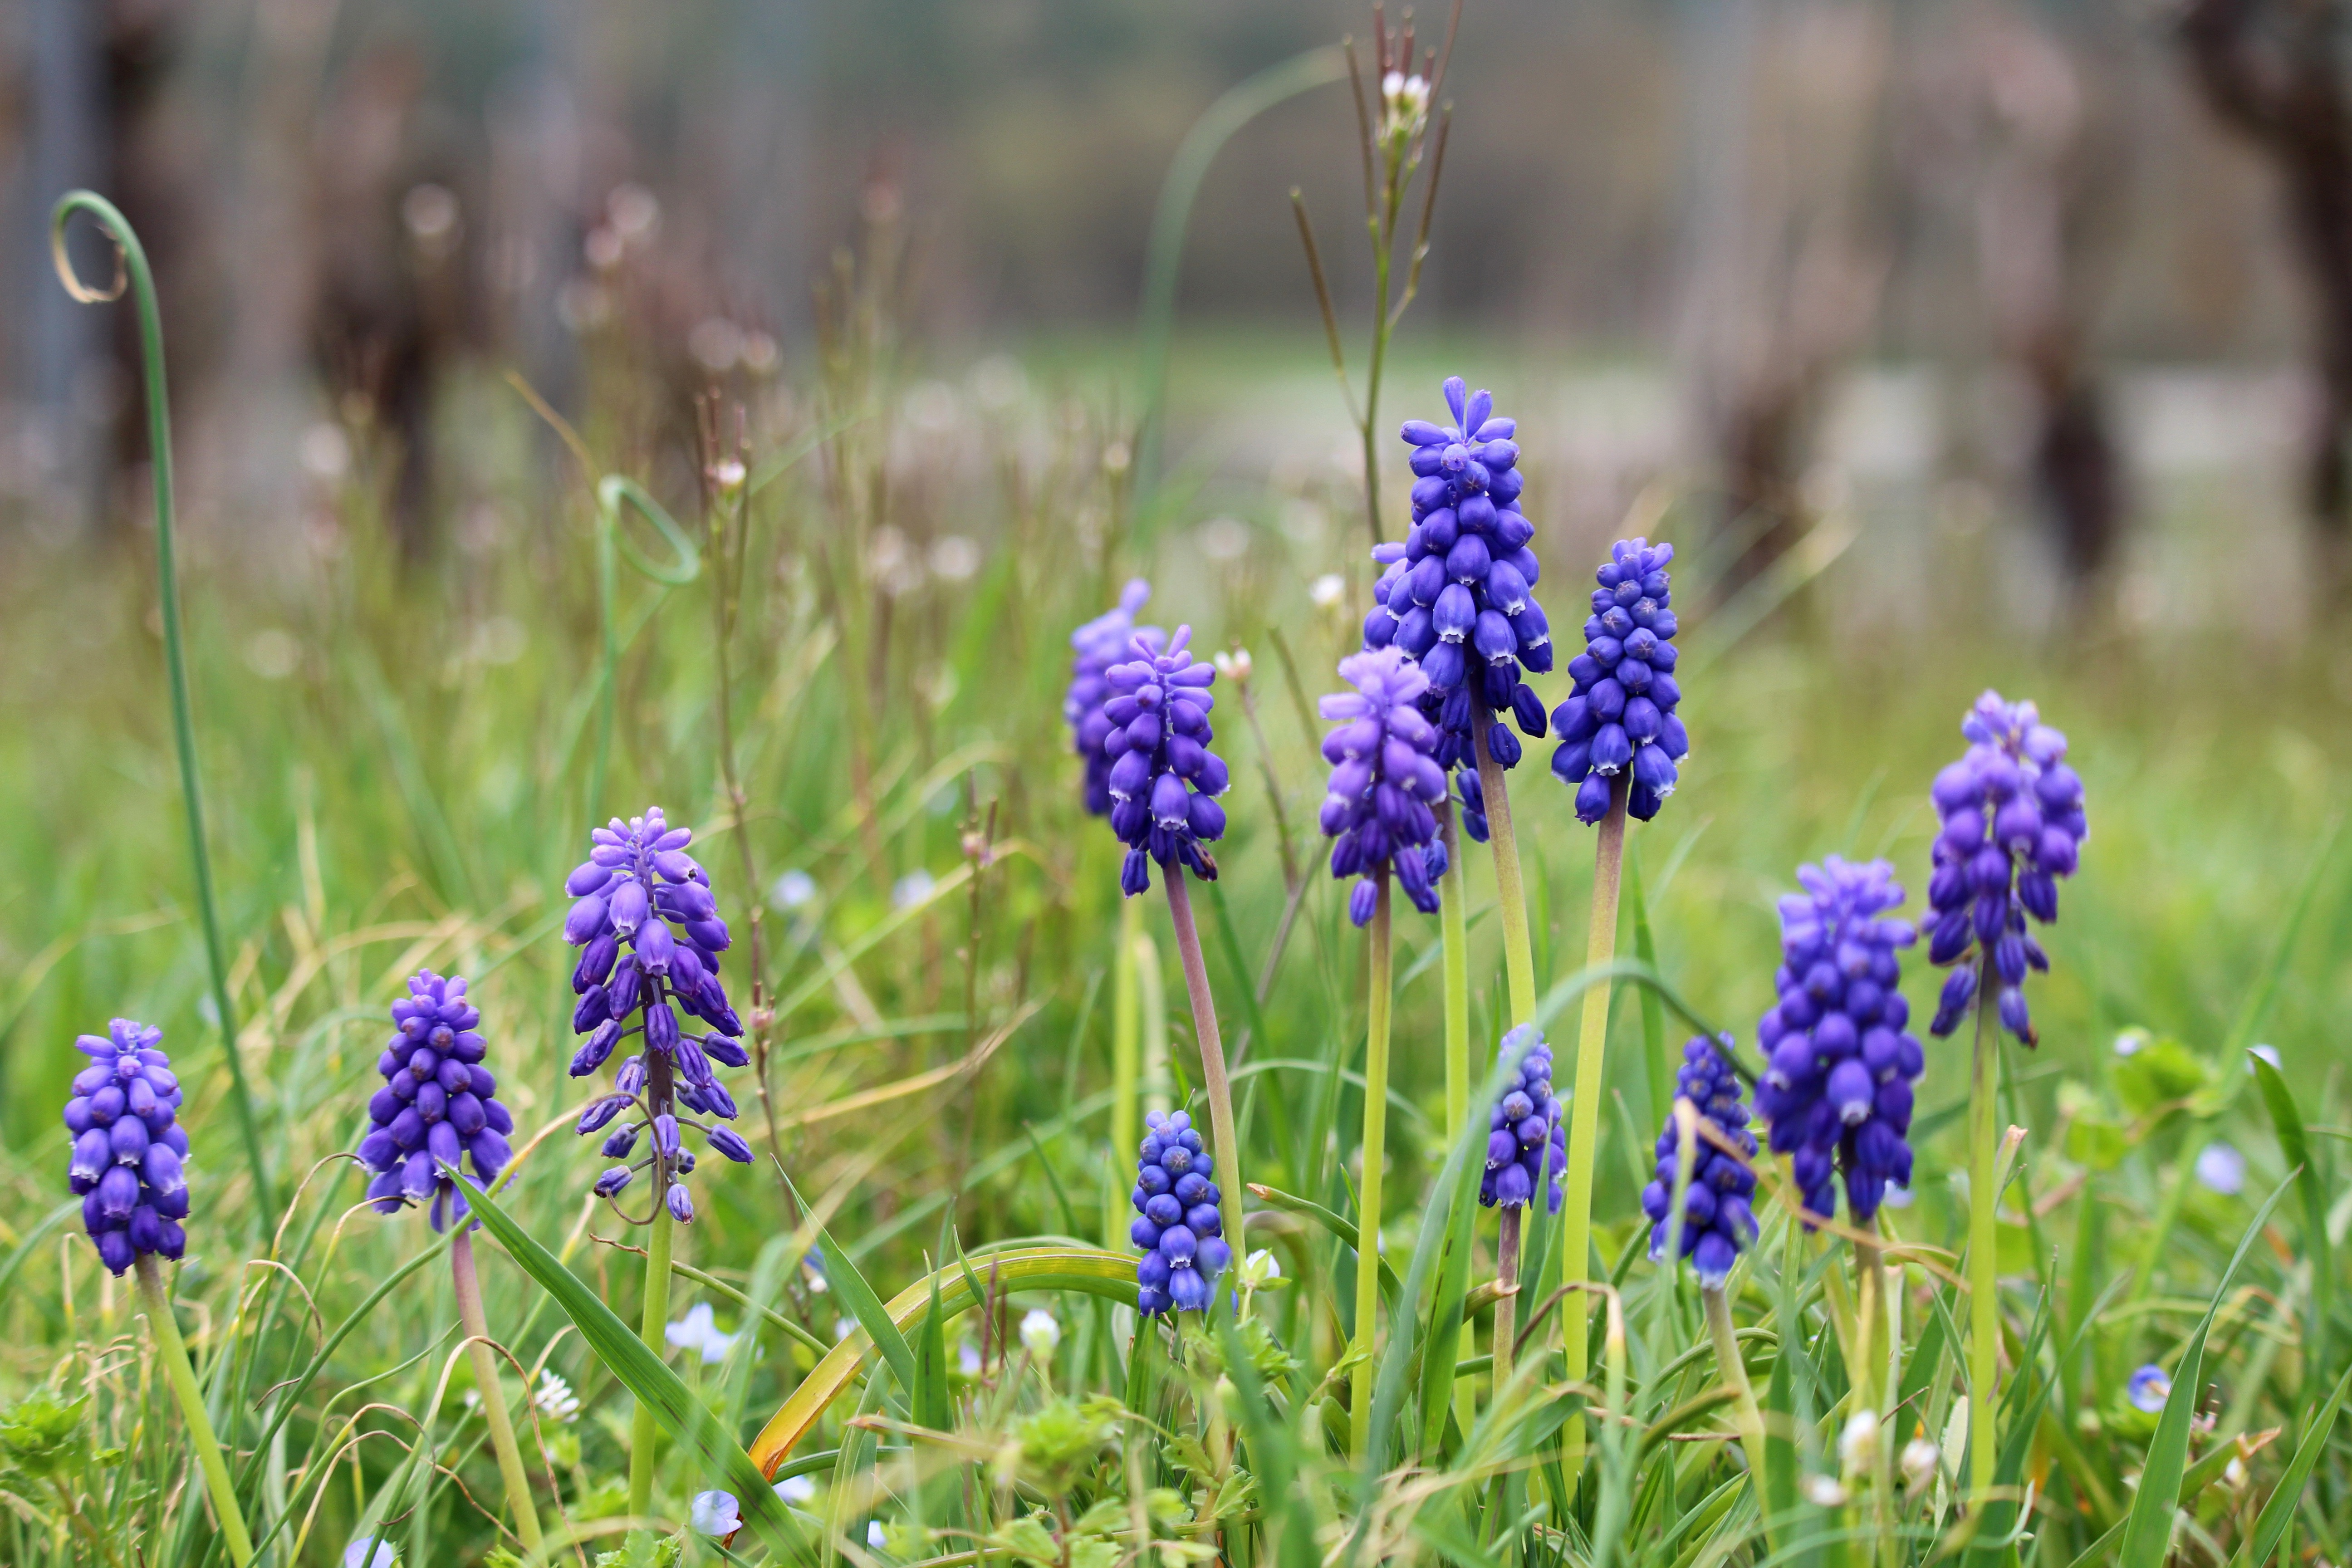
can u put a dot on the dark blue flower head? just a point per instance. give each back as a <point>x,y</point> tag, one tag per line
<point>1620,715</point>
<point>2013,824</point>
<point>128,1145</point>
<point>1717,1223</point>
<point>1525,1135</point>
<point>1385,780</point>
<point>438,1103</point>
<point>1095,647</point>
<point>1180,1229</point>
<point>1165,780</point>
<point>1838,1064</point>
<point>1457,594</point>
<point>640,891</point>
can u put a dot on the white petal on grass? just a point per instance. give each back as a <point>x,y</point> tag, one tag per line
<point>873,1536</point>
<point>1326,591</point>
<point>1040,1333</point>
<point>796,1489</point>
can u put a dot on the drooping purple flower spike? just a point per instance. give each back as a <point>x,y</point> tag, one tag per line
<point>1839,1062</point>
<point>1385,780</point>
<point>1180,1229</point>
<point>438,1105</point>
<point>1620,715</point>
<point>2013,824</point>
<point>1163,779</point>
<point>640,891</point>
<point>1095,647</point>
<point>1718,1221</point>
<point>128,1148</point>
<point>1525,1135</point>
<point>1457,594</point>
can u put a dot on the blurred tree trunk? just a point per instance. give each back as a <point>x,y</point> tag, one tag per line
<point>2273,70</point>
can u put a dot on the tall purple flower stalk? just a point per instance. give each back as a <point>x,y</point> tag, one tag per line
<point>1620,717</point>
<point>1458,593</point>
<point>127,1146</point>
<point>438,1104</point>
<point>2013,824</point>
<point>1163,778</point>
<point>1525,1135</point>
<point>1385,781</point>
<point>1840,1063</point>
<point>640,891</point>
<point>1095,647</point>
<point>1717,1223</point>
<point>1180,1225</point>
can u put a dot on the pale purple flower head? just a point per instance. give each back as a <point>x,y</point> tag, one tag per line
<point>1163,779</point>
<point>1718,1222</point>
<point>1385,781</point>
<point>1525,1136</point>
<point>1180,1227</point>
<point>2013,824</point>
<point>1095,647</point>
<point>127,1146</point>
<point>1839,1062</point>
<point>438,1105</point>
<point>1620,715</point>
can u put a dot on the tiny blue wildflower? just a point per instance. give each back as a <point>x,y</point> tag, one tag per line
<point>2221,1169</point>
<point>438,1103</point>
<point>1095,647</point>
<point>1525,1135</point>
<point>1163,779</point>
<point>1180,1229</point>
<point>2013,824</point>
<point>2150,1386</point>
<point>1385,780</point>
<point>367,1552</point>
<point>714,1513</point>
<point>1839,1063</point>
<point>1620,715</point>
<point>1718,1221</point>
<point>127,1146</point>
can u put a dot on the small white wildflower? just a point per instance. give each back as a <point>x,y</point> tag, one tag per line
<point>843,1328</point>
<point>2269,1054</point>
<point>954,558</point>
<point>714,1513</point>
<point>1858,1444</point>
<point>697,1331</point>
<point>873,1536</point>
<point>727,474</point>
<point>1040,1335</point>
<point>1824,1491</point>
<point>1919,1457</point>
<point>968,1358</point>
<point>791,891</point>
<point>2221,1168</point>
<point>554,1398</point>
<point>358,1556</point>
<point>1327,590</point>
<point>1896,1197</point>
<point>912,888</point>
<point>1234,666</point>
<point>796,1489</point>
<point>1259,1267</point>
<point>2131,1042</point>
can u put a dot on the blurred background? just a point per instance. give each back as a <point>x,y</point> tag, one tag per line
<point>2069,280</point>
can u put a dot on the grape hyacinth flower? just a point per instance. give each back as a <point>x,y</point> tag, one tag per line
<point>1718,1222</point>
<point>1096,646</point>
<point>1385,781</point>
<point>1840,1064</point>
<point>127,1146</point>
<point>1180,1229</point>
<point>1525,1131</point>
<point>2013,824</point>
<point>1163,779</point>
<point>652,937</point>
<point>1457,593</point>
<point>1620,717</point>
<point>438,1105</point>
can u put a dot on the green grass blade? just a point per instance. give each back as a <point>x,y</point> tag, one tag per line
<point>850,1287</point>
<point>1442,1342</point>
<point>2296,1148</point>
<point>1653,1010</point>
<point>932,1407</point>
<point>2271,1522</point>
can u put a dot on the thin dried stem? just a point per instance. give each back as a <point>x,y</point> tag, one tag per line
<point>1323,300</point>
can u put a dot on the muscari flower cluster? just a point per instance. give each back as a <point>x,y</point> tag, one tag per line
<point>2013,824</point>
<point>1457,594</point>
<point>637,884</point>
<point>1180,1230</point>
<point>1163,778</point>
<point>1385,780</point>
<point>1717,1223</point>
<point>1839,1062</point>
<point>127,1146</point>
<point>1525,1134</point>
<point>1095,647</point>
<point>437,1104</point>
<point>1620,715</point>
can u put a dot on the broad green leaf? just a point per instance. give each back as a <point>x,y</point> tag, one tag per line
<point>864,1305</point>
<point>932,1407</point>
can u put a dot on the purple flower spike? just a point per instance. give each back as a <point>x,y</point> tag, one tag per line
<point>1718,1221</point>
<point>1163,780</point>
<point>1455,595</point>
<point>438,1105</point>
<point>1525,1136</point>
<point>129,1146</point>
<point>651,953</point>
<point>1095,647</point>
<point>1840,1063</point>
<point>1182,1227</point>
<point>2013,824</point>
<point>1620,717</point>
<point>1385,781</point>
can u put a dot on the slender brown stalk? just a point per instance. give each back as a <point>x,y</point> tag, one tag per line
<point>1228,1161</point>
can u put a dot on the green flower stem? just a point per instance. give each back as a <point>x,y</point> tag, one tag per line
<point>647,1432</point>
<point>132,272</point>
<point>1519,950</point>
<point>173,1354</point>
<point>1984,1304</point>
<point>1126,1050</point>
<point>1453,924</point>
<point>1227,1160</point>
<point>476,1325</point>
<point>1585,1109</point>
<point>1746,1419</point>
<point>1375,1146</point>
<point>1874,1382</point>
<point>1507,1304</point>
